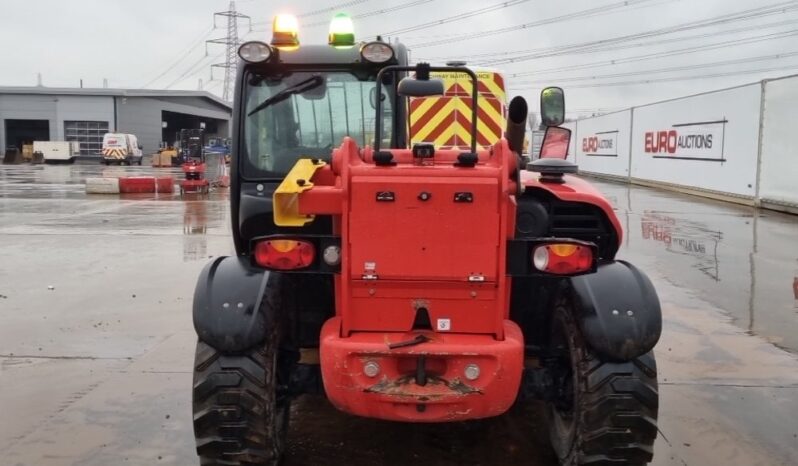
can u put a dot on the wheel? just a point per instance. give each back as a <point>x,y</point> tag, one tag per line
<point>604,412</point>
<point>240,401</point>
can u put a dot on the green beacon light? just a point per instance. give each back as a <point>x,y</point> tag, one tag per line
<point>342,31</point>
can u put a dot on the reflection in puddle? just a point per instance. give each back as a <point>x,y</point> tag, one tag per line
<point>685,237</point>
<point>738,259</point>
<point>195,229</point>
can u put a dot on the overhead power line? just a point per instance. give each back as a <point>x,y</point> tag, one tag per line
<point>325,10</point>
<point>368,14</point>
<point>212,84</point>
<point>371,13</point>
<point>671,69</point>
<point>671,79</point>
<point>331,8</point>
<point>657,55</point>
<point>475,58</point>
<point>592,46</point>
<point>194,68</point>
<point>459,17</point>
<point>184,53</point>
<point>596,11</point>
<point>198,66</point>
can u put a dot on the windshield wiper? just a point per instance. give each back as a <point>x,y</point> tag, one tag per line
<point>298,88</point>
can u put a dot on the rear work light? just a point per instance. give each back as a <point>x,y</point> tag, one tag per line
<point>377,52</point>
<point>254,52</point>
<point>284,254</point>
<point>562,258</point>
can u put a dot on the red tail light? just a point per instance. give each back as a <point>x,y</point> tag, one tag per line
<point>562,258</point>
<point>284,254</point>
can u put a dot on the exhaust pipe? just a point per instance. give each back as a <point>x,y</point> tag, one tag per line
<point>516,124</point>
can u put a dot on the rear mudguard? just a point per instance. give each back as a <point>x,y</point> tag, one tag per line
<point>618,311</point>
<point>227,304</point>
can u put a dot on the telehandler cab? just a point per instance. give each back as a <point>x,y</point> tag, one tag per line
<point>412,284</point>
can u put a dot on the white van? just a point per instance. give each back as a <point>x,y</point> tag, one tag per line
<point>57,151</point>
<point>121,148</point>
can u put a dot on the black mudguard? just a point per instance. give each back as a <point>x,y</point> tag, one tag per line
<point>227,301</point>
<point>618,311</point>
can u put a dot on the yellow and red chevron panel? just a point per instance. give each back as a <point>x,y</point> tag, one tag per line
<point>112,153</point>
<point>446,121</point>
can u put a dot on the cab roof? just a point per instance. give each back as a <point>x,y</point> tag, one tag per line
<point>326,55</point>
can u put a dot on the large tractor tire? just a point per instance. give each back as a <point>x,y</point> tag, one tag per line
<point>240,401</point>
<point>604,412</point>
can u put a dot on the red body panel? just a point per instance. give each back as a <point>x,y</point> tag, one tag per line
<point>442,235</point>
<point>193,185</point>
<point>448,396</point>
<point>385,305</point>
<point>574,190</point>
<point>194,167</point>
<point>425,238</point>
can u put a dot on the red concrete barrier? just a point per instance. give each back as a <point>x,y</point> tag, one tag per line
<point>137,184</point>
<point>165,184</point>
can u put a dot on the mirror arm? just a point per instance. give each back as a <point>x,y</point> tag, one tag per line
<point>422,71</point>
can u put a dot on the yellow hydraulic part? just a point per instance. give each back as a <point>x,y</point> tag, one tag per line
<point>286,197</point>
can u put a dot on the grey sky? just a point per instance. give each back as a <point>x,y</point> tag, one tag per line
<point>132,42</point>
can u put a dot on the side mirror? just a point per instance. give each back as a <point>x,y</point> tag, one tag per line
<point>552,106</point>
<point>411,87</point>
<point>555,143</point>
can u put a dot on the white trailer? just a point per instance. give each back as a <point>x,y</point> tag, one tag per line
<point>57,151</point>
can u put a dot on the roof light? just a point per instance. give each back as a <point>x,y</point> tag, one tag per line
<point>254,52</point>
<point>342,31</point>
<point>285,31</point>
<point>377,52</point>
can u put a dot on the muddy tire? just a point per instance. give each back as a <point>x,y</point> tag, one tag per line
<point>240,401</point>
<point>605,412</point>
<point>238,417</point>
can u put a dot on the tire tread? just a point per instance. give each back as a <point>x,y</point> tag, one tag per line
<point>230,409</point>
<point>618,404</point>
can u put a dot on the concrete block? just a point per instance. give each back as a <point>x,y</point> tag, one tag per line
<point>102,186</point>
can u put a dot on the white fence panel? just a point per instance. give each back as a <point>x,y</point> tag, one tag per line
<point>707,141</point>
<point>602,144</point>
<point>779,170</point>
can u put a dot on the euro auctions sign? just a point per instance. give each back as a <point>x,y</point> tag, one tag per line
<point>688,141</point>
<point>604,144</point>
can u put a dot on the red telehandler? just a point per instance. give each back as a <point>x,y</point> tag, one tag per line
<point>413,284</point>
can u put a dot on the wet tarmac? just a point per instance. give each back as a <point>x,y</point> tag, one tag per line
<point>96,341</point>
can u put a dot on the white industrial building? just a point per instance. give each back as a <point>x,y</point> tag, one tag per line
<point>75,114</point>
